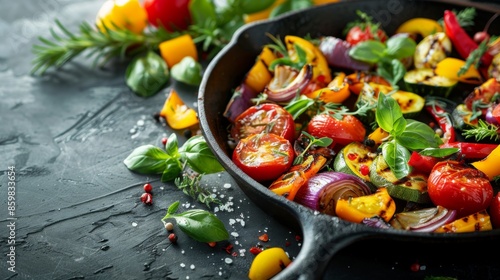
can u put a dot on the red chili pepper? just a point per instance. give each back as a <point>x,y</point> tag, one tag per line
<point>442,117</point>
<point>422,163</point>
<point>463,43</point>
<point>472,150</point>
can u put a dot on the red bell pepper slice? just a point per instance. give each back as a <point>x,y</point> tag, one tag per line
<point>442,117</point>
<point>463,43</point>
<point>422,163</point>
<point>472,150</point>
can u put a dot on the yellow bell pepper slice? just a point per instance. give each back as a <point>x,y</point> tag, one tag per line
<point>450,66</point>
<point>176,113</point>
<point>174,50</point>
<point>268,263</point>
<point>422,26</point>
<point>489,165</point>
<point>259,75</point>
<point>124,14</point>
<point>378,135</point>
<point>356,209</point>
<point>321,69</point>
<point>337,91</point>
<point>479,221</point>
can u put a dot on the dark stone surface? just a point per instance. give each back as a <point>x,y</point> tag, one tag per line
<point>77,212</point>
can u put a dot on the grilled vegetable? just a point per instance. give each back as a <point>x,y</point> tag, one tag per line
<point>479,221</point>
<point>355,159</point>
<point>424,82</point>
<point>363,207</point>
<point>431,50</point>
<point>410,188</point>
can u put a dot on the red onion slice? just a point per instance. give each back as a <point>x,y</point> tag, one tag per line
<point>322,191</point>
<point>336,52</point>
<point>423,220</point>
<point>281,90</point>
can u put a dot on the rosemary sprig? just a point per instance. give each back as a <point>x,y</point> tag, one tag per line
<point>190,185</point>
<point>100,44</point>
<point>482,131</point>
<point>474,57</point>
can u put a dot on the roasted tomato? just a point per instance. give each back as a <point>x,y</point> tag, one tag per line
<point>171,14</point>
<point>268,118</point>
<point>454,185</point>
<point>264,156</point>
<point>363,30</point>
<point>341,131</point>
<point>495,211</point>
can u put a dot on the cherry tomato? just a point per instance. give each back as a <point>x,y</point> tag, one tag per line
<point>171,14</point>
<point>264,156</point>
<point>358,34</point>
<point>268,118</point>
<point>342,132</point>
<point>454,185</point>
<point>495,211</point>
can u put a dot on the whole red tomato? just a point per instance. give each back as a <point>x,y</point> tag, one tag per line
<point>171,14</point>
<point>359,34</point>
<point>267,117</point>
<point>341,131</point>
<point>454,185</point>
<point>264,156</point>
<point>495,211</point>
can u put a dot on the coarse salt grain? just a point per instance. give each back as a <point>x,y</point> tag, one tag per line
<point>192,266</point>
<point>235,234</point>
<point>183,265</point>
<point>227,186</point>
<point>134,224</point>
<point>228,260</point>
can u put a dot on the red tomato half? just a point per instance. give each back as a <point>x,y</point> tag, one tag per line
<point>342,132</point>
<point>495,211</point>
<point>357,35</point>
<point>264,156</point>
<point>454,185</point>
<point>171,14</point>
<point>268,118</point>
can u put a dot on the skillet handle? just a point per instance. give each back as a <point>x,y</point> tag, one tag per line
<point>323,237</point>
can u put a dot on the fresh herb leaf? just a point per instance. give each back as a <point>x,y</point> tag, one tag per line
<point>313,141</point>
<point>147,159</point>
<point>389,116</point>
<point>198,155</point>
<point>298,106</point>
<point>290,5</point>
<point>400,47</point>
<point>370,51</point>
<point>190,185</point>
<point>418,136</point>
<point>438,152</point>
<point>188,71</point>
<point>200,225</point>
<point>396,157</point>
<point>173,168</point>
<point>482,131</point>
<point>147,75</point>
<point>474,58</point>
<point>392,70</point>
<point>172,146</point>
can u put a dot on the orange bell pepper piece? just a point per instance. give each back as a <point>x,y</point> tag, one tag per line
<point>321,69</point>
<point>337,91</point>
<point>355,209</point>
<point>357,80</point>
<point>490,164</point>
<point>176,113</point>
<point>174,50</point>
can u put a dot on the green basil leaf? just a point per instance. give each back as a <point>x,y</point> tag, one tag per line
<point>289,6</point>
<point>397,158</point>
<point>400,47</point>
<point>418,136</point>
<point>299,106</point>
<point>188,71</point>
<point>389,116</point>
<point>203,12</point>
<point>172,146</point>
<point>147,159</point>
<point>173,168</point>
<point>252,6</point>
<point>173,208</point>
<point>147,75</point>
<point>199,156</point>
<point>439,152</point>
<point>392,70</point>
<point>368,51</point>
<point>200,225</point>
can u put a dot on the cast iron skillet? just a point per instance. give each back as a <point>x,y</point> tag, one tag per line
<point>323,235</point>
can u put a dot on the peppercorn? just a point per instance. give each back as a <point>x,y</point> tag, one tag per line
<point>172,237</point>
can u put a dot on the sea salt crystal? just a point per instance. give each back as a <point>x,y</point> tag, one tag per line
<point>183,265</point>
<point>134,224</point>
<point>232,221</point>
<point>235,234</point>
<point>227,186</point>
<point>192,266</point>
<point>228,260</point>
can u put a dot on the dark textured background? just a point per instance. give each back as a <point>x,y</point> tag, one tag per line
<point>77,206</point>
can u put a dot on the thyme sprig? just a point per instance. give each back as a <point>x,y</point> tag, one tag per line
<point>483,131</point>
<point>190,185</point>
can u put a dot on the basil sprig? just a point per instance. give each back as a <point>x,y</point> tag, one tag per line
<point>386,57</point>
<point>149,159</point>
<point>405,135</point>
<point>198,224</point>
